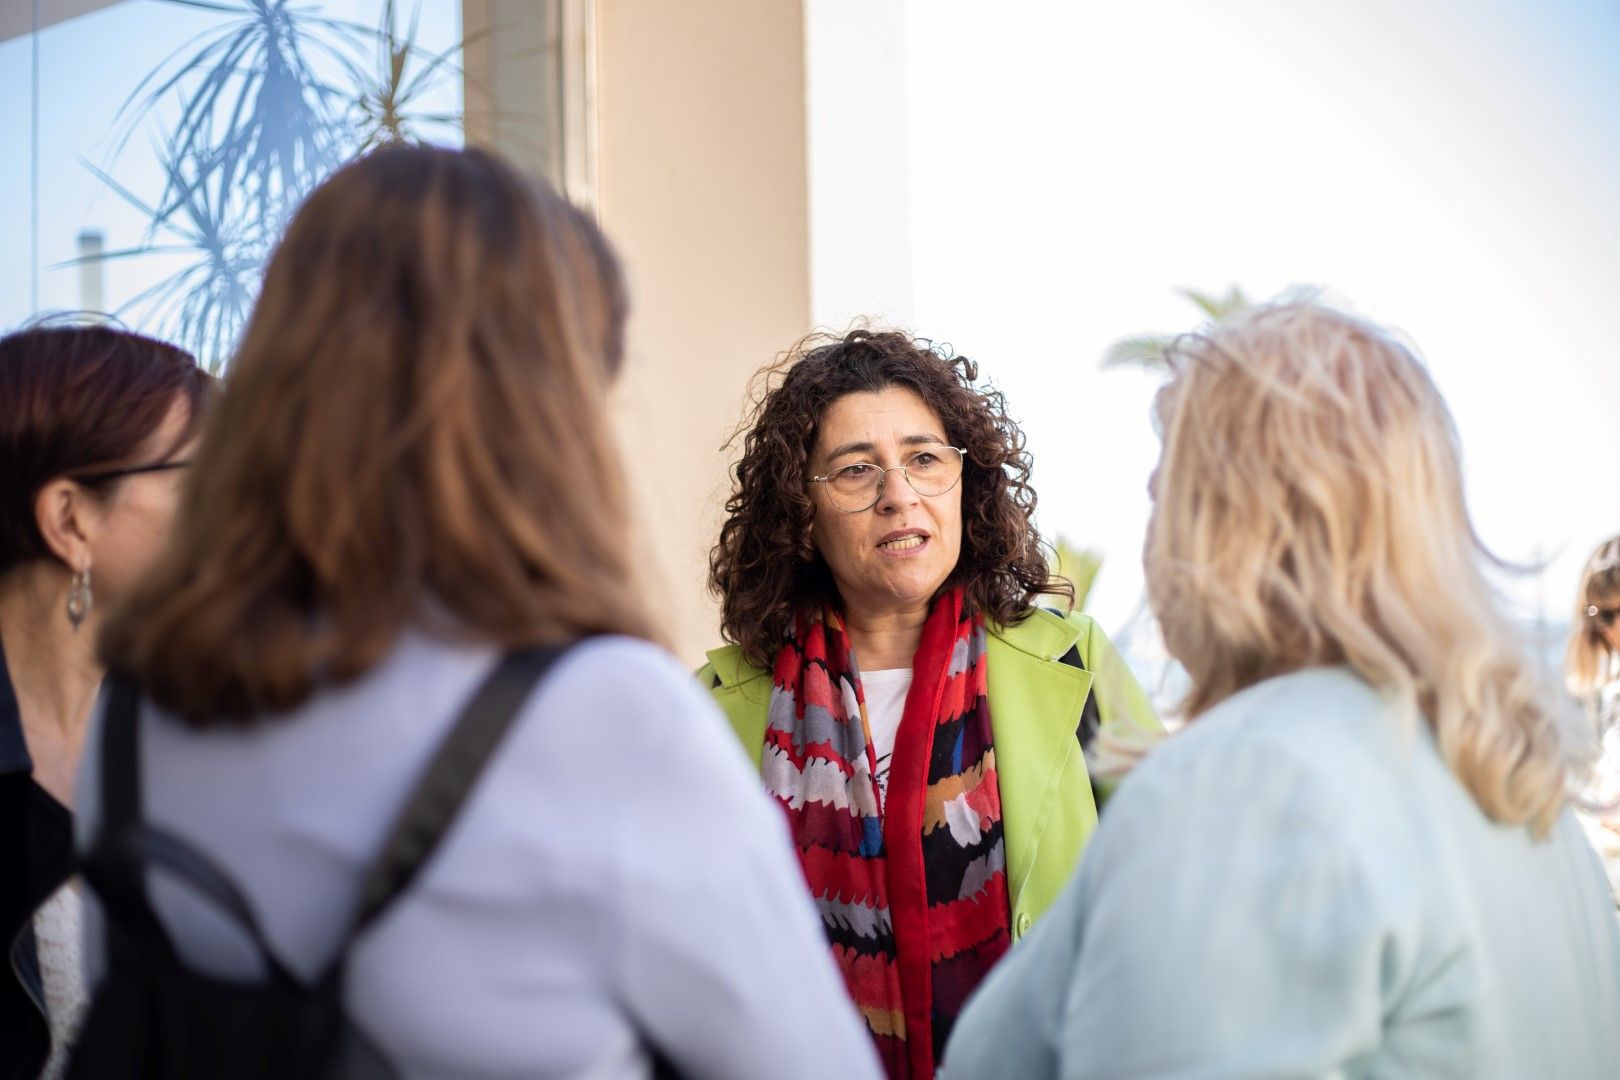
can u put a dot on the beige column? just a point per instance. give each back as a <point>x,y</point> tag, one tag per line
<point>701,183</point>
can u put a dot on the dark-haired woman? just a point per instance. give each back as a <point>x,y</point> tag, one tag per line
<point>412,475</point>
<point>920,717</point>
<point>95,425</point>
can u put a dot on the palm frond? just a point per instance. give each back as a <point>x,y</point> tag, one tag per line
<point>1151,351</point>
<point>1079,566</point>
<point>1218,308</point>
<point>1145,351</point>
<point>404,72</point>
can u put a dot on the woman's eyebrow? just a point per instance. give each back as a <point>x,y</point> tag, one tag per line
<point>851,448</point>
<point>868,449</point>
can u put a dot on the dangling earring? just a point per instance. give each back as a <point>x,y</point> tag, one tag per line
<point>79,598</point>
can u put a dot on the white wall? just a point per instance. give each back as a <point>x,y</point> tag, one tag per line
<point>859,112</point>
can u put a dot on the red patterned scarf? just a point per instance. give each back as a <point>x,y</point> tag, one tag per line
<point>912,885</point>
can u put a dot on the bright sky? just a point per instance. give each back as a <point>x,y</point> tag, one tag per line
<point>1449,167</point>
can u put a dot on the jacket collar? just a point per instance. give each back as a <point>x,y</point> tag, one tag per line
<point>1045,635</point>
<point>1037,704</point>
<point>13,748</point>
<point>731,668</point>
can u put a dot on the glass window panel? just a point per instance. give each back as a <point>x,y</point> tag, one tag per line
<point>173,141</point>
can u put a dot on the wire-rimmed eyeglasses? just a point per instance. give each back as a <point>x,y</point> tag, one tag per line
<point>859,486</point>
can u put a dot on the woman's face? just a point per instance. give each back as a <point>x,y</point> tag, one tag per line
<point>1609,634</point>
<point>895,555</point>
<point>127,529</point>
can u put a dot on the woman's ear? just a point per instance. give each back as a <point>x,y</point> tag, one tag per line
<point>67,520</point>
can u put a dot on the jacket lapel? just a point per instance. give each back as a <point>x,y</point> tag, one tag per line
<point>1046,802</point>
<point>743,692</point>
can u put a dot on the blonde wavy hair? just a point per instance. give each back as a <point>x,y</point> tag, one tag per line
<point>1309,510</point>
<point>1588,660</point>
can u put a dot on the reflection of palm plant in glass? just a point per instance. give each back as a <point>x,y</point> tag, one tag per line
<point>389,96</point>
<point>260,116</point>
<point>206,303</point>
<point>270,100</point>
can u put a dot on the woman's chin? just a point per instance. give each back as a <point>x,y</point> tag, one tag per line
<point>913,591</point>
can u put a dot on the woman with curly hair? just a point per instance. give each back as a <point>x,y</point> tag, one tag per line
<point>1357,859</point>
<point>920,718</point>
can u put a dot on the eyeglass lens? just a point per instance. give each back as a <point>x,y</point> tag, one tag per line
<point>929,472</point>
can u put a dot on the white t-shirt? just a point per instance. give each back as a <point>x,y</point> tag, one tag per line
<point>885,693</point>
<point>618,874</point>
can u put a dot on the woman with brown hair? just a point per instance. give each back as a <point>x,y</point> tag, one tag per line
<point>96,427</point>
<point>1592,674</point>
<point>1357,859</point>
<point>922,720</point>
<point>410,474</point>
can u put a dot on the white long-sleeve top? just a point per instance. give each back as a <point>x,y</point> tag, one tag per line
<point>616,876</point>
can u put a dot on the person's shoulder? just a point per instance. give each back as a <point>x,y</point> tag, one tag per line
<point>1301,737</point>
<point>727,666</point>
<point>616,665</point>
<point>611,693</point>
<point>1046,615</point>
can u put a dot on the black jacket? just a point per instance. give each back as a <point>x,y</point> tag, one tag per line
<point>36,856</point>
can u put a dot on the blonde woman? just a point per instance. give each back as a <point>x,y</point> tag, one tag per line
<point>1357,860</point>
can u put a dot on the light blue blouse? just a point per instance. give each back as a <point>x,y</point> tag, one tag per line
<point>1297,886</point>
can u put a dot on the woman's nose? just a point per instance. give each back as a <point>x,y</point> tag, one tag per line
<point>896,492</point>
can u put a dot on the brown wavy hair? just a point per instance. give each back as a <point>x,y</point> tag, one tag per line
<point>414,431</point>
<point>1588,661</point>
<point>766,570</point>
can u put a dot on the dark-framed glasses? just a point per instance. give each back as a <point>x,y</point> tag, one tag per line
<point>1604,617</point>
<point>858,486</point>
<point>104,475</point>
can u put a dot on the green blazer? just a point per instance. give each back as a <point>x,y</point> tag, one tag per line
<point>1047,805</point>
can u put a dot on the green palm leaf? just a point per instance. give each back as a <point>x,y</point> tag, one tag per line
<point>1151,351</point>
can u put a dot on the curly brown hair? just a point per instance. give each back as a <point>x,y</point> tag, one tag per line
<point>768,517</point>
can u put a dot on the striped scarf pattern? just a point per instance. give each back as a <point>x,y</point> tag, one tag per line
<point>911,885</point>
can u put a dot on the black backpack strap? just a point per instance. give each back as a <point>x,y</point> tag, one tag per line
<point>443,789</point>
<point>150,846</point>
<point>120,758</point>
<point>127,846</point>
<point>110,867</point>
